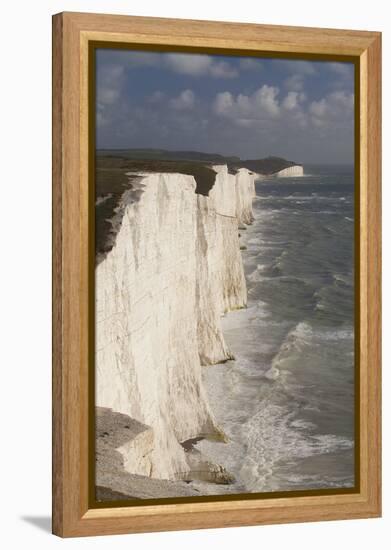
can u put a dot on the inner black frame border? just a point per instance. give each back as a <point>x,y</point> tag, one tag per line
<point>355,60</point>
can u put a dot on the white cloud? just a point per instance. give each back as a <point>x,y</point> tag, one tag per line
<point>110,79</point>
<point>342,75</point>
<point>296,67</point>
<point>266,97</point>
<point>297,72</point>
<point>199,65</point>
<point>267,111</point>
<point>334,110</point>
<point>101,120</point>
<point>263,103</point>
<point>294,82</point>
<point>343,69</point>
<point>302,67</point>
<point>318,108</point>
<point>222,69</point>
<point>181,63</point>
<point>245,122</point>
<point>188,63</point>
<point>342,99</point>
<point>250,64</point>
<point>223,103</point>
<point>291,101</point>
<point>107,96</point>
<point>185,101</point>
<point>134,59</point>
<point>156,97</point>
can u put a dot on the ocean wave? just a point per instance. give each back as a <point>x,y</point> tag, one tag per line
<point>335,334</point>
<point>278,262</point>
<point>325,212</point>
<point>295,340</point>
<point>306,198</point>
<point>274,434</point>
<point>256,275</point>
<point>333,301</point>
<point>319,481</point>
<point>257,312</point>
<point>345,280</point>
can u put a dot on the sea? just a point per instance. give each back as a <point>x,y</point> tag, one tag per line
<point>286,403</point>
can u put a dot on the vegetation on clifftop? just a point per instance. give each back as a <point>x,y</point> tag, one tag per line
<point>111,182</point>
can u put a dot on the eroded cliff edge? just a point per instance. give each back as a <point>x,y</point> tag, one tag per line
<point>172,269</point>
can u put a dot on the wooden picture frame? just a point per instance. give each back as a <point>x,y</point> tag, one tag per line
<point>73,34</point>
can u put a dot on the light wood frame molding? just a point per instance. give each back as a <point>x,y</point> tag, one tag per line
<point>72,33</point>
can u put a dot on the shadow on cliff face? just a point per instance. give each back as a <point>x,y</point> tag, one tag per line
<point>112,481</point>
<point>112,180</point>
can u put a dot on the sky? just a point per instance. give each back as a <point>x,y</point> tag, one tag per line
<point>250,107</point>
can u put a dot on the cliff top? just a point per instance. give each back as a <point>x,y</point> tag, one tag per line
<point>111,182</point>
<point>164,154</point>
<point>264,166</point>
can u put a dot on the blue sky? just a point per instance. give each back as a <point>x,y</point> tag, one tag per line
<point>249,107</point>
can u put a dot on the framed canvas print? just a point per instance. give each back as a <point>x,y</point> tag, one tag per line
<point>216,230</point>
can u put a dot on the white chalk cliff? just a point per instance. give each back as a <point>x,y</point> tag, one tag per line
<point>292,171</point>
<point>174,269</point>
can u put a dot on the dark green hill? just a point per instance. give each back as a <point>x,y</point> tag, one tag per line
<point>266,166</point>
<point>163,154</point>
<point>111,182</point>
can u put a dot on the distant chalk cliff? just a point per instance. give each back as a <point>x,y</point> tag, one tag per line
<point>291,171</point>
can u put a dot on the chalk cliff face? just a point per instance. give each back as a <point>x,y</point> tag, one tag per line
<point>292,171</point>
<point>245,192</point>
<point>175,267</point>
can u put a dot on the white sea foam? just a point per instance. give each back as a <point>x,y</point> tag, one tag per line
<point>256,276</point>
<point>102,199</point>
<point>333,212</point>
<point>270,400</point>
<point>345,279</point>
<point>333,335</point>
<point>273,434</point>
<point>302,424</point>
<point>312,197</point>
<point>295,340</point>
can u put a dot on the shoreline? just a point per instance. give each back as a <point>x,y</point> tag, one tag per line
<point>221,372</point>
<point>266,400</point>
